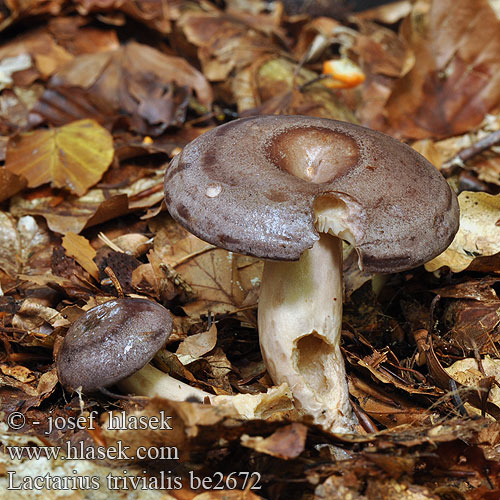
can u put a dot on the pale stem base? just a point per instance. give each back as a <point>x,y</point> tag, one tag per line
<point>149,381</point>
<point>300,318</point>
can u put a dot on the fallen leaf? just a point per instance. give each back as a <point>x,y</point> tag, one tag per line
<point>19,372</point>
<point>134,80</point>
<point>466,371</point>
<point>195,346</point>
<point>74,156</point>
<point>78,36</point>
<point>10,65</point>
<point>479,233</point>
<point>10,184</point>
<point>224,42</point>
<point>486,163</point>
<point>39,47</point>
<point>73,214</point>
<point>24,245</point>
<point>271,86</point>
<point>220,280</point>
<point>287,442</point>
<point>80,249</point>
<point>35,317</point>
<point>153,14</point>
<point>274,404</point>
<point>456,79</point>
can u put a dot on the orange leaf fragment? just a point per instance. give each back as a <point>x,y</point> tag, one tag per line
<point>345,74</point>
<point>74,156</point>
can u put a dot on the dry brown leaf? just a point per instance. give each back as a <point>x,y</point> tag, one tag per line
<point>221,280</point>
<point>275,404</point>
<point>10,184</point>
<point>74,156</point>
<point>156,15</point>
<point>47,56</point>
<point>19,372</point>
<point>271,86</point>
<point>23,8</point>
<point>9,245</point>
<point>287,442</point>
<point>76,37</point>
<point>36,317</point>
<point>24,245</point>
<point>479,233</point>
<point>467,372</point>
<point>389,13</point>
<point>224,42</point>
<point>79,248</point>
<point>456,80</point>
<point>73,214</point>
<point>136,80</point>
<point>195,346</point>
<point>485,164</point>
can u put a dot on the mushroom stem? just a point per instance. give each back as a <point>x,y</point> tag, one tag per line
<point>300,318</point>
<point>149,381</point>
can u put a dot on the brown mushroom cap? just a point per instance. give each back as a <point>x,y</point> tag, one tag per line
<point>250,186</point>
<point>111,342</point>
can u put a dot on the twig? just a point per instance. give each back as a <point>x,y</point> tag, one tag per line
<point>467,153</point>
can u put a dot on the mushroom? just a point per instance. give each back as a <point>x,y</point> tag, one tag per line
<point>289,189</point>
<point>113,343</point>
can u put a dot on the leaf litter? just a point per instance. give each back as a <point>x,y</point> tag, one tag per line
<point>92,107</point>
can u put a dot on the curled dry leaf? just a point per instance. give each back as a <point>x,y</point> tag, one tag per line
<point>195,346</point>
<point>74,156</point>
<point>9,245</point>
<point>486,163</point>
<point>156,15</point>
<point>17,10</point>
<point>287,442</point>
<point>466,371</point>
<point>24,246</point>
<point>80,249</point>
<point>271,86</point>
<point>224,42</point>
<point>44,53</point>
<point>78,36</point>
<point>479,233</point>
<point>137,80</point>
<point>38,318</point>
<point>274,404</point>
<point>73,214</point>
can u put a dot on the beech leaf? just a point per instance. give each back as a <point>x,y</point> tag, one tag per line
<point>79,248</point>
<point>479,233</point>
<point>74,156</point>
<point>222,281</point>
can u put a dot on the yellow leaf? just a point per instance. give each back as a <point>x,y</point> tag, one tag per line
<point>74,156</point>
<point>479,233</point>
<point>80,249</point>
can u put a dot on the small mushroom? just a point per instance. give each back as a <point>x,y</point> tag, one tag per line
<point>113,343</point>
<point>289,189</point>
